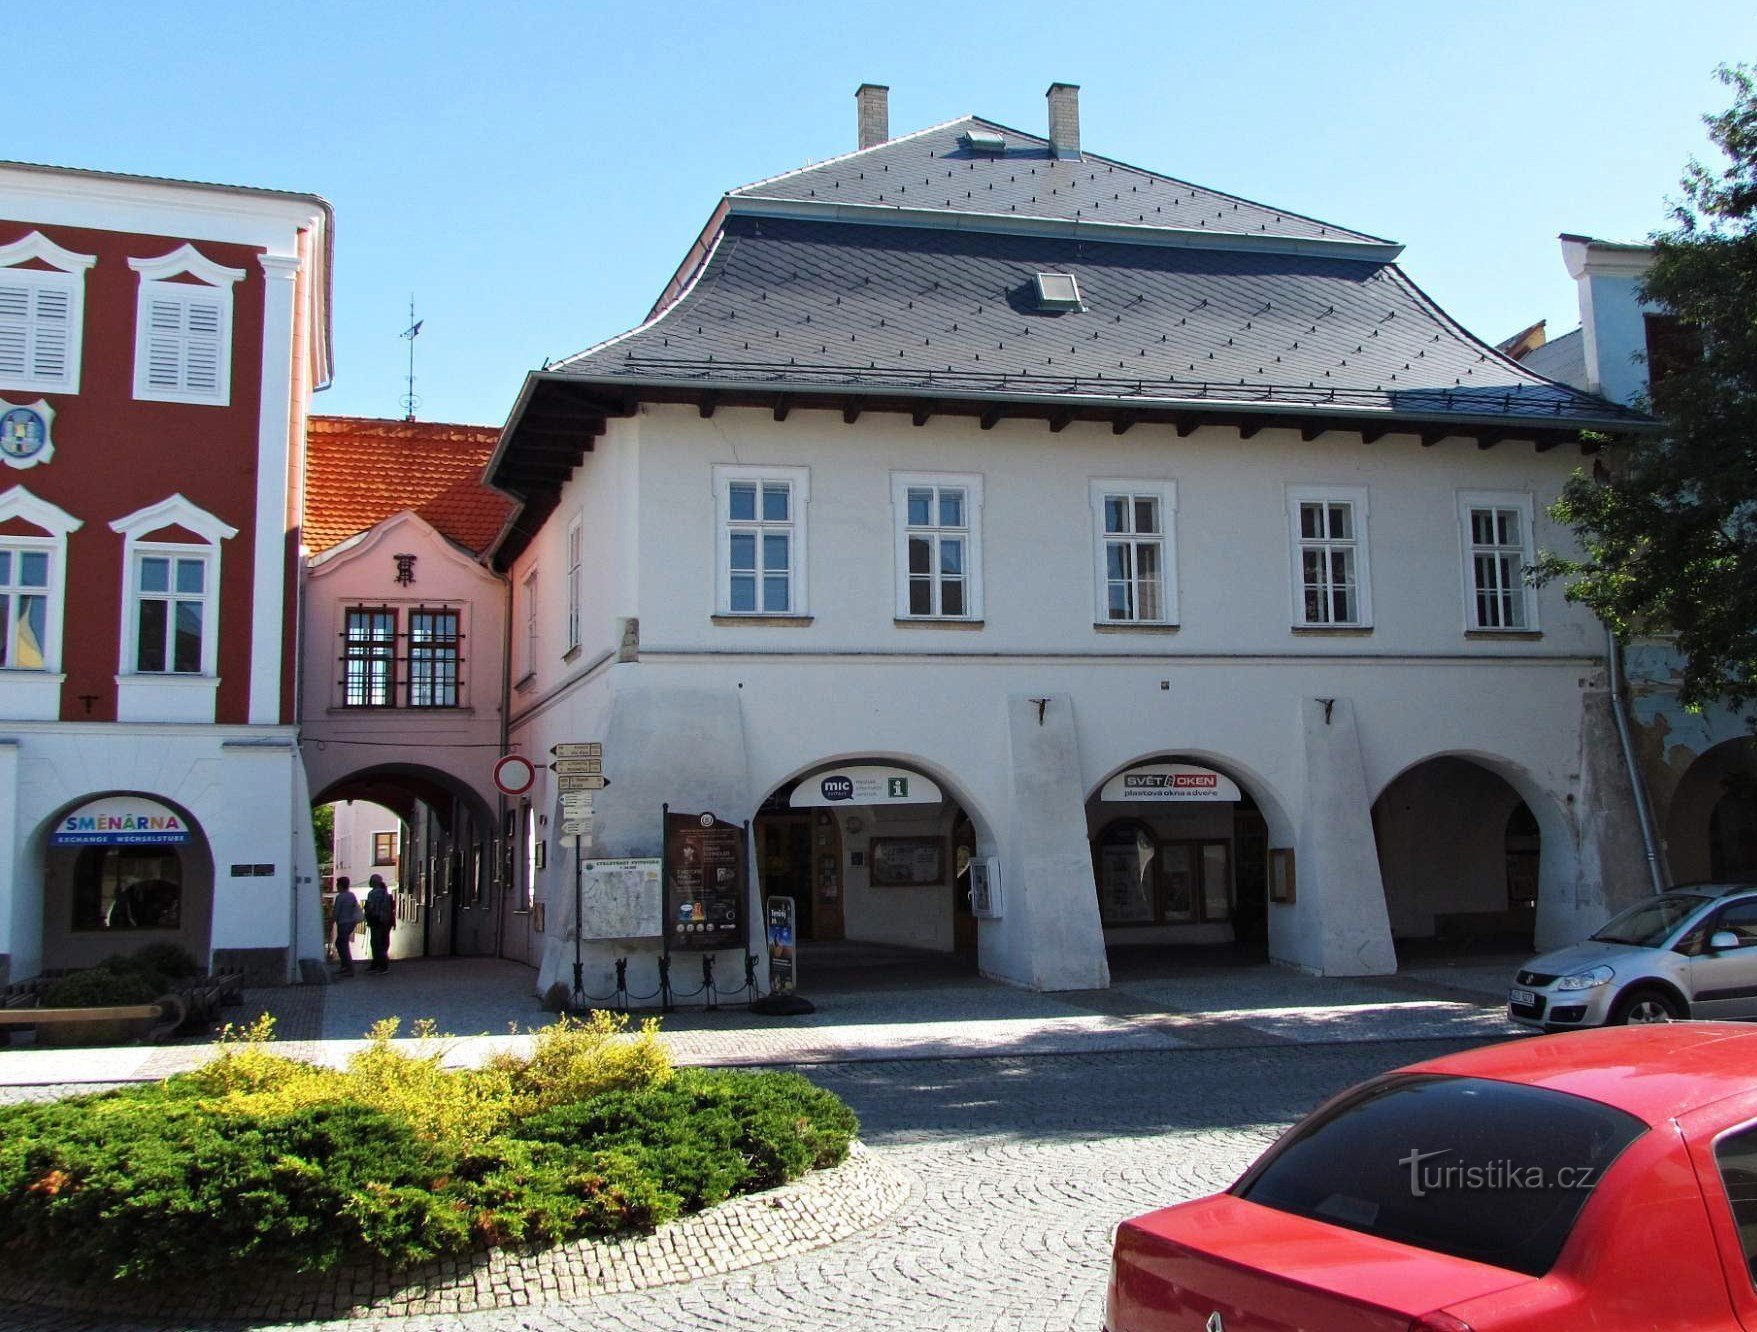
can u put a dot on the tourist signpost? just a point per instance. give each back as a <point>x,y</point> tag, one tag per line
<point>579,771</point>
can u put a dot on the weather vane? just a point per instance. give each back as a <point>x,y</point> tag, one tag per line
<point>413,331</point>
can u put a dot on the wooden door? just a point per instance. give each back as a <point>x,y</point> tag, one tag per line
<point>827,877</point>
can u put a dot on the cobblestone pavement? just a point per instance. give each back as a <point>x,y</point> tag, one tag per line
<point>1017,1167</point>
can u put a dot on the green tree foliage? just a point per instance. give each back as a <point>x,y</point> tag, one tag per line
<point>1669,533</point>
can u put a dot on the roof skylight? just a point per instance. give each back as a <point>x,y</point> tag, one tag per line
<point>1058,291</point>
<point>983,141</point>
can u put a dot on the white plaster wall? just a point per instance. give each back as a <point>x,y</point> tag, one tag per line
<point>356,823</point>
<point>1234,685</point>
<point>1235,568</point>
<point>919,916</point>
<point>238,783</point>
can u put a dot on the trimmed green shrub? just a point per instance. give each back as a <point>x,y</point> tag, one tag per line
<point>172,961</point>
<point>255,1159</point>
<point>101,987</point>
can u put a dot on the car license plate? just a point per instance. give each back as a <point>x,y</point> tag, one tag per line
<point>1524,998</point>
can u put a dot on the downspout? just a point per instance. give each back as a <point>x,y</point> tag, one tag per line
<point>502,860</point>
<point>1656,870</point>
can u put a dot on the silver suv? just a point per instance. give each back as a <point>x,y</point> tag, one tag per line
<point>1691,952</point>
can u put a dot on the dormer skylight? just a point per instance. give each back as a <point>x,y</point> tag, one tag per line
<point>1058,291</point>
<point>983,141</point>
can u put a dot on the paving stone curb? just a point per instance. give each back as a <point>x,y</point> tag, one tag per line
<point>822,1208</point>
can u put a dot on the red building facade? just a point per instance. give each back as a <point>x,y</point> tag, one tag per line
<point>159,345</point>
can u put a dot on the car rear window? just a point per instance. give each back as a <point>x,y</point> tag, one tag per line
<point>1490,1171</point>
<point>1736,1154</point>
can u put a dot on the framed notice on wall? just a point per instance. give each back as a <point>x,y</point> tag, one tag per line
<point>1281,885</point>
<point>907,862</point>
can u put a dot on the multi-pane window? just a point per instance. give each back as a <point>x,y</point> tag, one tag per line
<point>433,658</point>
<point>573,584</point>
<point>1133,524</point>
<point>384,848</point>
<point>369,657</point>
<point>760,546</point>
<point>171,598</point>
<point>531,637</point>
<point>24,608</point>
<point>1329,557</point>
<point>761,540</point>
<point>938,543</point>
<point>1497,533</point>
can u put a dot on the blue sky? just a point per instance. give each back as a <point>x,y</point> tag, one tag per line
<point>533,171</point>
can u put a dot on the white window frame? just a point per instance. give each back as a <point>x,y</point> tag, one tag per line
<point>530,586</point>
<point>1360,543</point>
<point>1521,502</point>
<point>68,278</point>
<point>971,483</point>
<point>798,481</point>
<point>213,282</point>
<point>55,523</point>
<point>1165,494</point>
<point>173,512</point>
<point>575,532</point>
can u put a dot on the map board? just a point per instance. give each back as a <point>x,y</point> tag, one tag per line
<point>621,899</point>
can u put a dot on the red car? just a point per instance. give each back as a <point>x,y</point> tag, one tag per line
<point>1600,1179</point>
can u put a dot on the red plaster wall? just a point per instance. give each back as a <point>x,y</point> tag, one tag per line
<point>114,455</point>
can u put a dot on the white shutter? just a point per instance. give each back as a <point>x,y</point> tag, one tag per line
<point>15,308</point>
<point>164,344</point>
<point>53,330</point>
<point>204,325</point>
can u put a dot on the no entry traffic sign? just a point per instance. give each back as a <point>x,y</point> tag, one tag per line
<point>514,774</point>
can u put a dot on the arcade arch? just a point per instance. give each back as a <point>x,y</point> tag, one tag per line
<point>447,866</point>
<point>875,853</point>
<point>1711,823</point>
<point>1465,855</point>
<point>1180,854</point>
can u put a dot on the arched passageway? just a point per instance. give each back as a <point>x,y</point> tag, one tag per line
<point>437,846</point>
<point>876,855</point>
<point>1711,825</point>
<point>1460,852</point>
<point>1180,854</point>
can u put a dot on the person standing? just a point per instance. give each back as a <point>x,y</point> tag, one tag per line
<point>381,914</point>
<point>345,911</point>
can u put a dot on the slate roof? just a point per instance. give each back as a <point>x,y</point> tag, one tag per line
<point>360,471</point>
<point>933,169</point>
<point>795,303</point>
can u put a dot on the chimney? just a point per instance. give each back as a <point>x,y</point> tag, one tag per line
<point>874,101</point>
<point>1064,120</point>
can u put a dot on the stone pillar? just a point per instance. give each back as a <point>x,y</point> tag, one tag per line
<point>1338,925</point>
<point>1050,937</point>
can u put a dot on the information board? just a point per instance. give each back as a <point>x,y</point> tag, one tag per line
<point>621,899</point>
<point>704,883</point>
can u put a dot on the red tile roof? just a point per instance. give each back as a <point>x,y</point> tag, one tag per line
<point>360,471</point>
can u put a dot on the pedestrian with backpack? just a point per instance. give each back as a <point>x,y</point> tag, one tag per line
<point>381,914</point>
<point>345,912</point>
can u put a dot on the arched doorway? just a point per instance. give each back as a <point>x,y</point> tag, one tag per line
<point>876,856</point>
<point>1180,854</point>
<point>1711,826</point>
<point>1460,853</point>
<point>436,845</point>
<point>121,870</point>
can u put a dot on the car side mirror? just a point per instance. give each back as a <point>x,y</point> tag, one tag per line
<point>1721,940</point>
